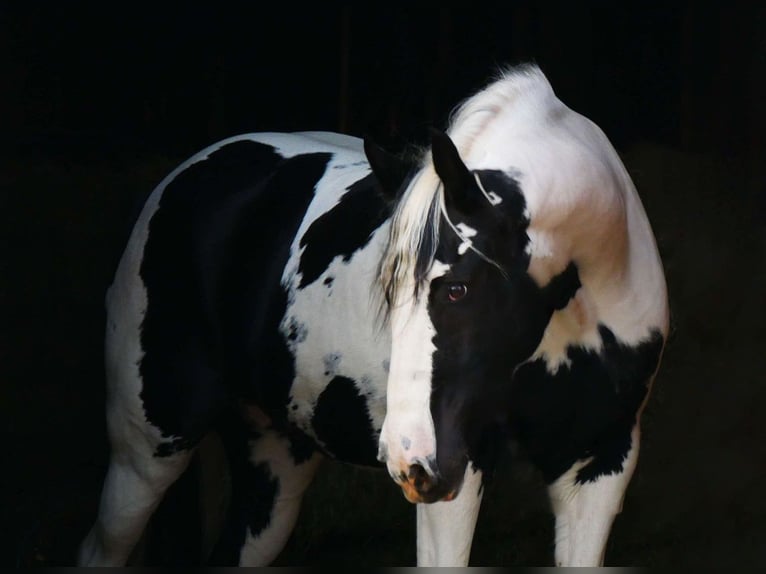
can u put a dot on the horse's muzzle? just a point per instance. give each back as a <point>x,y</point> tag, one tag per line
<point>419,486</point>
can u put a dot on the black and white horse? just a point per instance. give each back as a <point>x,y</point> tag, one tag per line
<point>502,288</point>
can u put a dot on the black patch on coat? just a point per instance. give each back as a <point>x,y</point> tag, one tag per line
<point>261,496</point>
<point>254,491</point>
<point>560,290</point>
<point>342,424</point>
<point>212,264</point>
<point>302,446</point>
<point>586,409</point>
<point>343,230</point>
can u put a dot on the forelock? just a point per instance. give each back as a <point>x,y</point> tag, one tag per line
<point>413,238</point>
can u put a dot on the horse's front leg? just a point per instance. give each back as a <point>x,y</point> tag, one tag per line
<point>445,529</point>
<point>585,511</point>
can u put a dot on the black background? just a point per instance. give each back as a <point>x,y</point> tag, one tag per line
<point>99,102</point>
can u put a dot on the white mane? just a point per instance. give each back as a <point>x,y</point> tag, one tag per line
<point>523,89</point>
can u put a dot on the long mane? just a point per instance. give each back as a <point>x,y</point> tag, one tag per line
<point>415,224</point>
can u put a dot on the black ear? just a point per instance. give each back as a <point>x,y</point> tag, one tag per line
<point>390,170</point>
<point>460,187</point>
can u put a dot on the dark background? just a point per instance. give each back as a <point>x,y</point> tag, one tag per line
<point>98,103</point>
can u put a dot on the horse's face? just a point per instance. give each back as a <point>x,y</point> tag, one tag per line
<point>477,316</point>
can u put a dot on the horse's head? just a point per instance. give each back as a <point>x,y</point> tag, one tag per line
<point>463,314</point>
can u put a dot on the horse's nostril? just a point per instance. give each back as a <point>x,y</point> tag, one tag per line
<point>420,478</point>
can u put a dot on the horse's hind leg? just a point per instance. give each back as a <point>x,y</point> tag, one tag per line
<point>586,510</point>
<point>144,460</point>
<point>270,472</point>
<point>134,485</point>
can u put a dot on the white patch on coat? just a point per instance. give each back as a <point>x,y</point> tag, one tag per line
<point>343,323</point>
<point>409,381</point>
<point>343,320</point>
<point>575,322</point>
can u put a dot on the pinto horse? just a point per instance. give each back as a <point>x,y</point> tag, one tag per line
<point>501,288</point>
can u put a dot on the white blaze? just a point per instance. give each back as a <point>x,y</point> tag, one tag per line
<point>408,435</point>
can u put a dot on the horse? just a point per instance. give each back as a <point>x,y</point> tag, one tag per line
<point>499,289</point>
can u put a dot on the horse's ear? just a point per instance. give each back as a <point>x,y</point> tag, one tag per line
<point>389,169</point>
<point>459,184</point>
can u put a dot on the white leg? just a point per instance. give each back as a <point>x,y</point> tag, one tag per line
<point>136,479</point>
<point>585,512</point>
<point>271,453</point>
<point>445,529</point>
<point>132,490</point>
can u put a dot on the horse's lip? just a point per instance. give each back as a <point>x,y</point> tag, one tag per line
<point>410,493</point>
<point>436,495</point>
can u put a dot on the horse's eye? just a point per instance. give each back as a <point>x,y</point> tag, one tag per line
<point>456,291</point>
